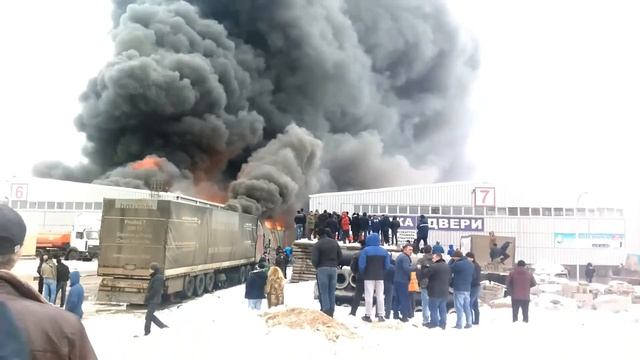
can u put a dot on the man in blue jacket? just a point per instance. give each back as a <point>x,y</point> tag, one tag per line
<point>373,262</point>
<point>438,249</point>
<point>463,273</point>
<point>422,234</point>
<point>76,295</point>
<point>401,280</point>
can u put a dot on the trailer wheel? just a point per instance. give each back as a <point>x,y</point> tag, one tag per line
<point>189,285</point>
<point>209,282</point>
<point>199,285</point>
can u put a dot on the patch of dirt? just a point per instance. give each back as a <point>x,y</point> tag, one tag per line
<point>299,318</point>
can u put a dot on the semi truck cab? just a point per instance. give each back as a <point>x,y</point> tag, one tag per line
<point>85,238</point>
<point>85,244</point>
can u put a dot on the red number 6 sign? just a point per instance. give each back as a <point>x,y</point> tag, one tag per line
<point>19,191</point>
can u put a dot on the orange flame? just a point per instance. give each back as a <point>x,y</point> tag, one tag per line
<point>269,224</point>
<point>149,162</point>
<point>207,190</point>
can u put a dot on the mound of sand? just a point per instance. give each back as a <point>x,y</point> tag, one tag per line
<point>298,318</point>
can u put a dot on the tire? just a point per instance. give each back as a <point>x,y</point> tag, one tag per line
<point>209,282</point>
<point>72,255</point>
<point>221,280</point>
<point>352,280</point>
<point>188,287</point>
<point>343,279</point>
<point>199,285</point>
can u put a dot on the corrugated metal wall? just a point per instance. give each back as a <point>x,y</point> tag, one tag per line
<point>535,235</point>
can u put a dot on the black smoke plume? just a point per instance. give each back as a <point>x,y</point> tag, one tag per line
<point>214,87</point>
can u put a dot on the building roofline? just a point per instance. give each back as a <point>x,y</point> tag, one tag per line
<point>406,187</point>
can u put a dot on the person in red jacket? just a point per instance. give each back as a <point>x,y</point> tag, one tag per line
<point>519,283</point>
<point>345,225</point>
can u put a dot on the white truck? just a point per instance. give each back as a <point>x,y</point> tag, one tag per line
<point>85,237</point>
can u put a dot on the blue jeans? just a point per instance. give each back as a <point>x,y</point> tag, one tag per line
<point>327,278</point>
<point>438,310</point>
<point>402,291</point>
<point>424,296</point>
<point>475,309</point>
<point>255,304</point>
<point>462,303</point>
<point>49,290</point>
<point>299,231</point>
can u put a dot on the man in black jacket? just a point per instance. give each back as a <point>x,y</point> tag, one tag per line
<point>154,298</point>
<point>385,226</point>
<point>475,289</point>
<point>325,256</point>
<point>300,220</point>
<point>332,224</point>
<point>62,277</point>
<point>439,278</point>
<point>281,261</point>
<point>355,270</point>
<point>355,227</point>
<point>364,225</point>
<point>395,225</point>
<point>423,265</point>
<point>321,221</point>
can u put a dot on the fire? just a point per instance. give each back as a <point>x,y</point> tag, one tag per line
<point>149,162</point>
<point>208,190</point>
<point>275,224</point>
<point>270,224</point>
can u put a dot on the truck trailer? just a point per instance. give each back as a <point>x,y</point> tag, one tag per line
<point>200,246</point>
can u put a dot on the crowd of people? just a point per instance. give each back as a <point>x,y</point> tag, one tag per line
<point>53,278</point>
<point>394,286</point>
<point>356,228</point>
<point>31,326</point>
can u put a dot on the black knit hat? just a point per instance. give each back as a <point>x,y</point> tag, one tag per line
<point>12,231</point>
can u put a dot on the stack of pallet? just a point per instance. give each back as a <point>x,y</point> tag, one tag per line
<point>490,291</point>
<point>303,269</point>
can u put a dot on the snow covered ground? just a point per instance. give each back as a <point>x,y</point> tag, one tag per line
<point>28,267</point>
<point>221,324</point>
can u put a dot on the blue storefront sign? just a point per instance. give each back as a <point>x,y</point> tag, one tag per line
<point>587,240</point>
<point>442,223</point>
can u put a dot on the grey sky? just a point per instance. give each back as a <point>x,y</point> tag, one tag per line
<point>555,99</point>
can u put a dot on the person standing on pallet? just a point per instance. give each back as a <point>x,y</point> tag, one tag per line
<point>300,220</point>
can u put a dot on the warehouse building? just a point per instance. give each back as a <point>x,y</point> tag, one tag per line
<point>551,226</point>
<point>51,207</point>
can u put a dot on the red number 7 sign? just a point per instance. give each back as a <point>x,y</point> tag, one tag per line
<point>484,196</point>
